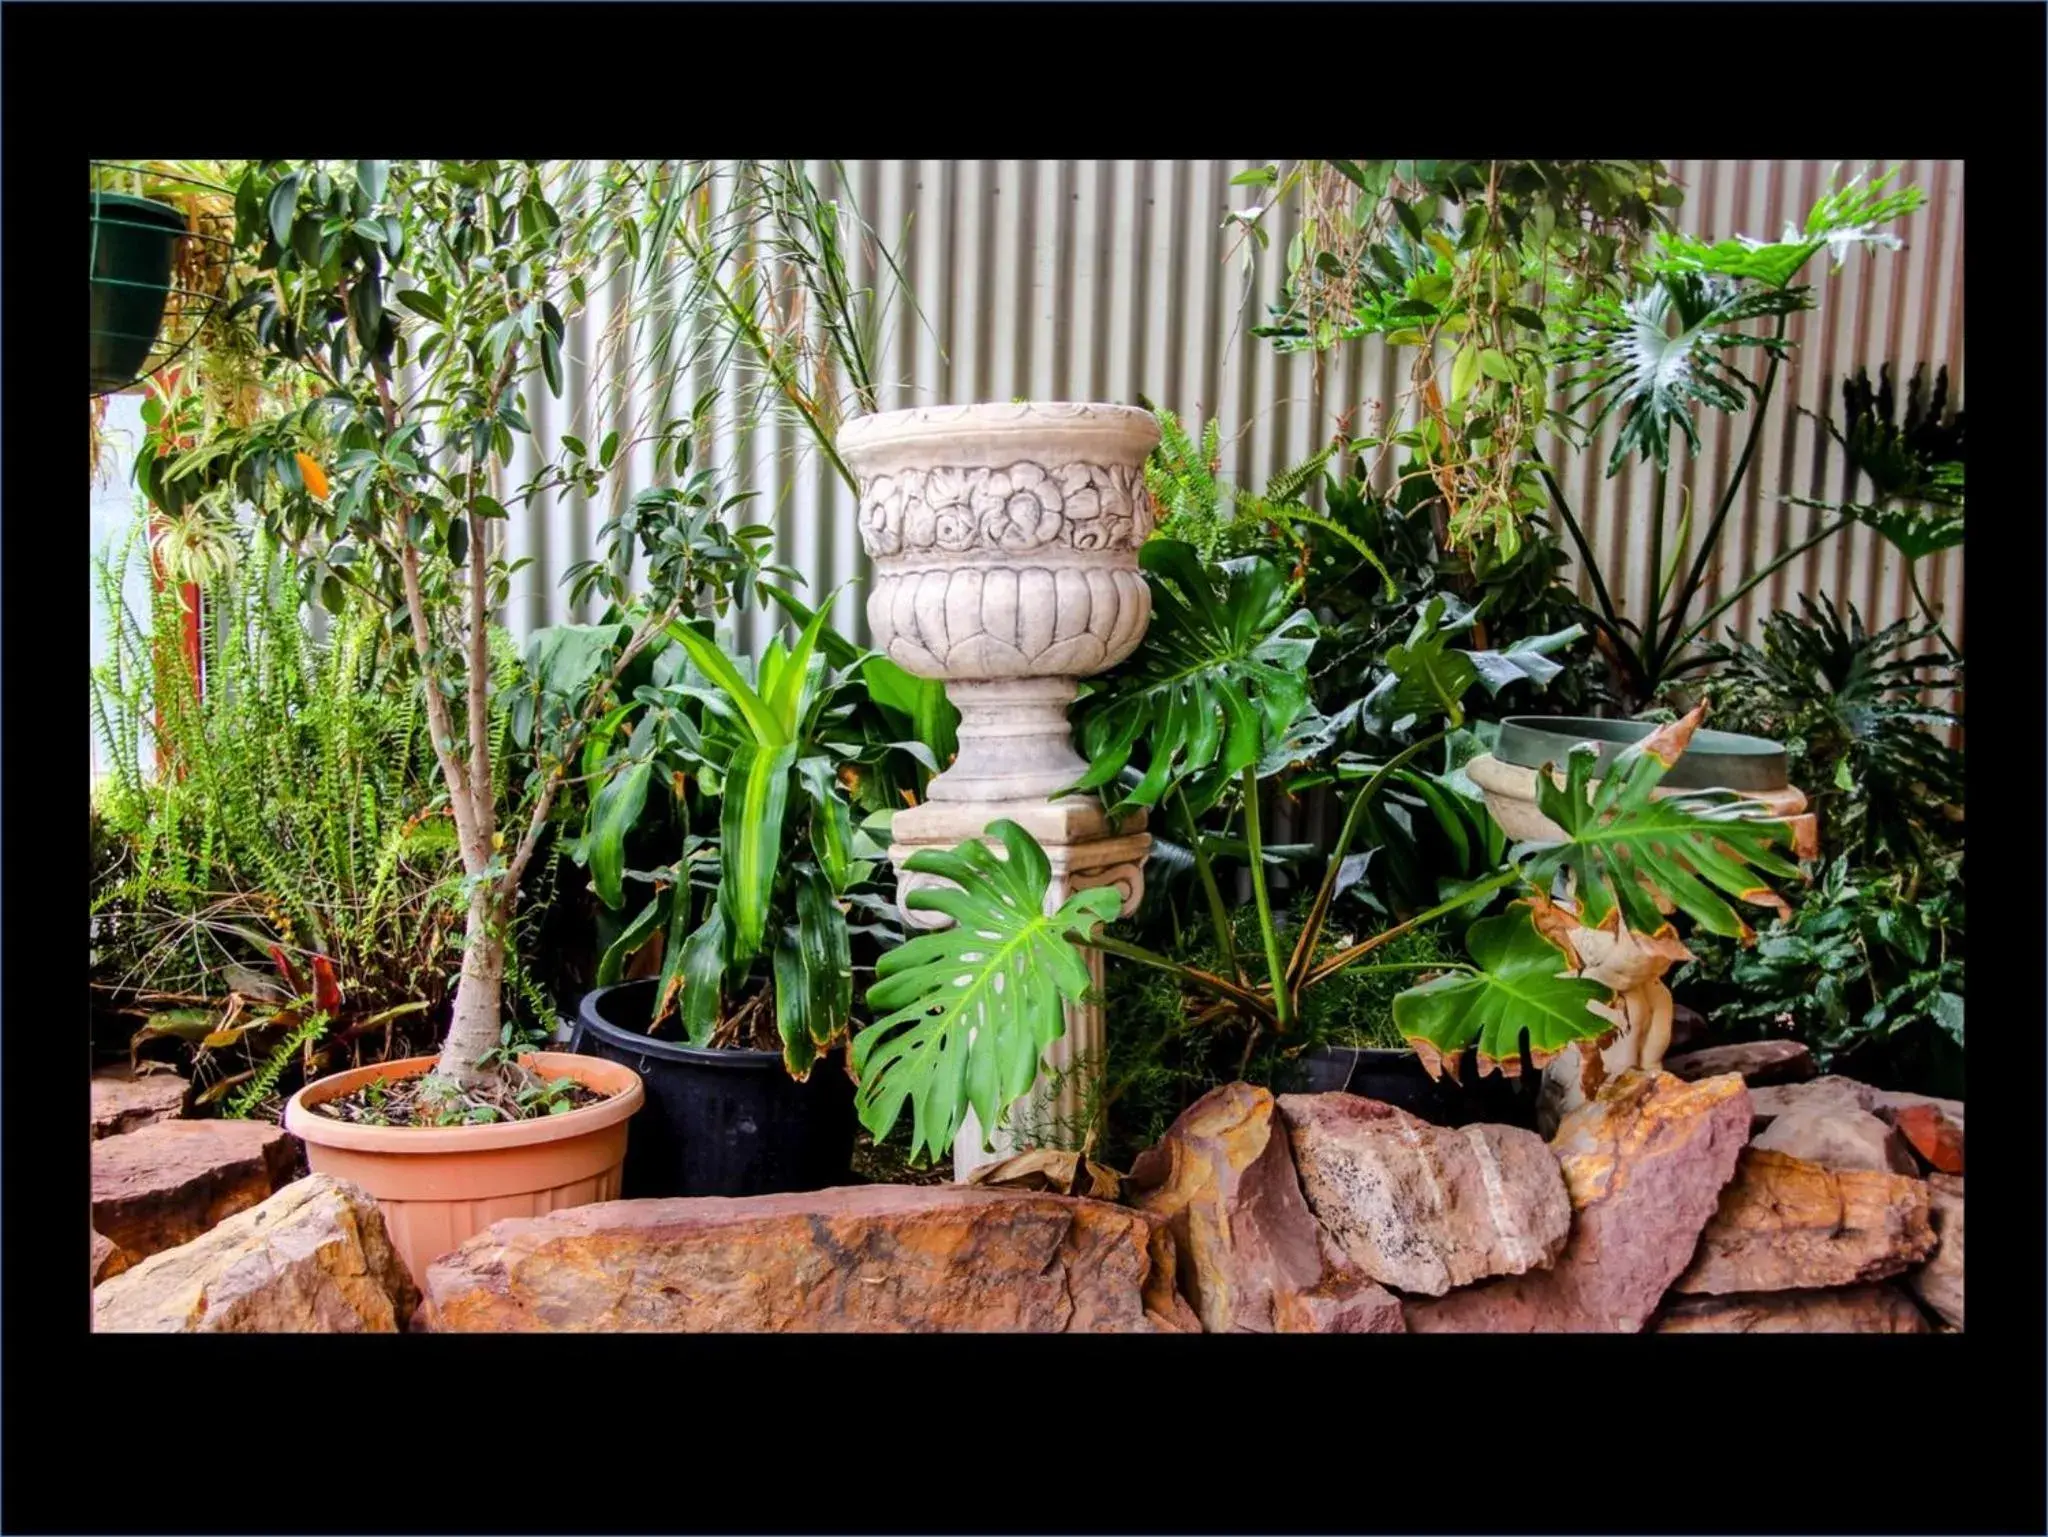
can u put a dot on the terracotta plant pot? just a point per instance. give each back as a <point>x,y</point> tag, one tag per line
<point>439,1185</point>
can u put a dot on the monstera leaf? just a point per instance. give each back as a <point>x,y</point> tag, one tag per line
<point>1521,980</point>
<point>1660,354</point>
<point>964,1014</point>
<point>1428,676</point>
<point>1647,856</point>
<point>1219,678</point>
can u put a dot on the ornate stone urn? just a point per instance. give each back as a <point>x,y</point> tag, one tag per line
<point>1005,542</point>
<point>1632,964</point>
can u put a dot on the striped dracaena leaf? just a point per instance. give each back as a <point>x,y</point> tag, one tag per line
<point>750,842</point>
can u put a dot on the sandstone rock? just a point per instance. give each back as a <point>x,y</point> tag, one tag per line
<point>1837,1137</point>
<point>1830,1093</point>
<point>167,1183</point>
<point>1932,1132</point>
<point>122,1101</point>
<point>312,1259</point>
<point>874,1258</point>
<point>1758,1062</point>
<point>1341,1303</point>
<point>1887,1102</point>
<point>1787,1223</point>
<point>1426,1208</point>
<point>1939,1282</point>
<point>1852,1310</point>
<point>1932,1127</point>
<point>1222,1179</point>
<point>107,1258</point>
<point>1644,1165</point>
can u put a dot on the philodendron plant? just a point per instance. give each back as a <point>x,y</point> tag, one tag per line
<point>971,1009</point>
<point>964,1014</point>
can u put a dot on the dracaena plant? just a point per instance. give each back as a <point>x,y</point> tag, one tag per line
<point>761,928</point>
<point>758,771</point>
<point>426,305</point>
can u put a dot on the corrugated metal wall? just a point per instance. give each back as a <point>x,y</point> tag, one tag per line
<point>1111,279</point>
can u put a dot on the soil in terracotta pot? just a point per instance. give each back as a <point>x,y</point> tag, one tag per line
<point>519,1095</point>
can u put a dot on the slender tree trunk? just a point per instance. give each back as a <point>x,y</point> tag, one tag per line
<point>473,1025</point>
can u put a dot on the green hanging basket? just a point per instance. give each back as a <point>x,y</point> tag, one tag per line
<point>158,266</point>
<point>134,248</point>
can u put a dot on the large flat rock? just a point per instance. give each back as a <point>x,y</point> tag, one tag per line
<point>312,1259</point>
<point>1785,1223</point>
<point>166,1183</point>
<point>1850,1310</point>
<point>1644,1165</point>
<point>123,1100</point>
<point>872,1258</point>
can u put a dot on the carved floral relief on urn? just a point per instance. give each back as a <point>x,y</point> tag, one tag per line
<point>1005,542</point>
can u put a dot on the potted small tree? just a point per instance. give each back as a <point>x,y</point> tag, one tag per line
<point>389,482</point>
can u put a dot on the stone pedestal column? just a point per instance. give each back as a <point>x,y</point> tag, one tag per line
<point>1005,545</point>
<point>1084,851</point>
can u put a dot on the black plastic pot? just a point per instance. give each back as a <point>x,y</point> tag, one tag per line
<point>134,242</point>
<point>1397,1078</point>
<point>718,1122</point>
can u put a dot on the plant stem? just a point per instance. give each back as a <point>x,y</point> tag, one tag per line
<point>1344,958</point>
<point>1662,650</point>
<point>1241,997</point>
<point>1571,523</point>
<point>1219,914</point>
<point>1283,1005</point>
<point>1707,619</point>
<point>1913,581</point>
<point>1326,893</point>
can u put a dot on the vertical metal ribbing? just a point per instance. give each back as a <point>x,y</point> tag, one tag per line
<point>1107,279</point>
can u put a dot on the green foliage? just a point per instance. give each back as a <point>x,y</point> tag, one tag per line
<point>1220,675</point>
<point>1194,508</point>
<point>1188,502</point>
<point>1868,971</point>
<point>287,810</point>
<point>1626,850</point>
<point>1860,736</point>
<point>1476,265</point>
<point>1841,219</point>
<point>1664,352</point>
<point>259,1088</point>
<point>965,1013</point>
<point>1520,982</point>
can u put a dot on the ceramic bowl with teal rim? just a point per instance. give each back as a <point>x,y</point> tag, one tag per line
<point>1715,760</point>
